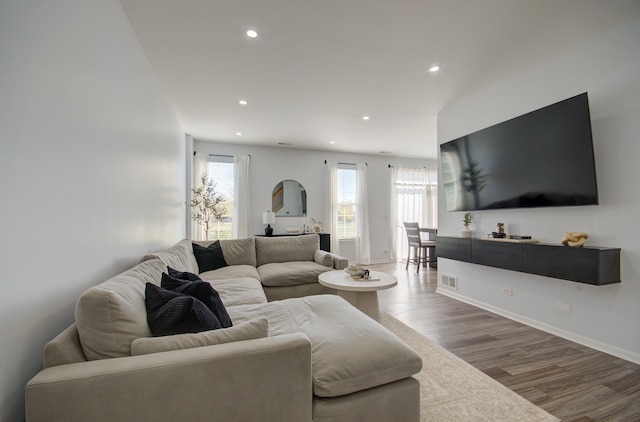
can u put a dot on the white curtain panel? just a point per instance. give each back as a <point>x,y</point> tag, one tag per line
<point>331,211</point>
<point>200,166</point>
<point>413,199</point>
<point>242,200</point>
<point>363,254</point>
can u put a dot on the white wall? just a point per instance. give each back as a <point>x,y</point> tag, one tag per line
<point>272,165</point>
<point>92,169</point>
<point>605,317</point>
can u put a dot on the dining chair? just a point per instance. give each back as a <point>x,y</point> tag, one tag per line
<point>423,250</point>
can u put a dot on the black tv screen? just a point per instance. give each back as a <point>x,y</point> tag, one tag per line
<point>540,159</point>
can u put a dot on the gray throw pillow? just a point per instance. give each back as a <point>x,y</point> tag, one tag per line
<point>253,329</point>
<point>323,258</point>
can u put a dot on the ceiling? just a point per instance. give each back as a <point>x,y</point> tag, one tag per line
<point>318,67</point>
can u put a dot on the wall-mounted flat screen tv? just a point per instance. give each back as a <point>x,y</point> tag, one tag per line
<point>540,159</point>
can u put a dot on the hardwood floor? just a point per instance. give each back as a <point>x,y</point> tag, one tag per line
<point>570,381</point>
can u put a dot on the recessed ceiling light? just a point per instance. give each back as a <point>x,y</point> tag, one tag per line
<point>242,102</point>
<point>251,33</point>
<point>365,117</point>
<point>434,68</point>
<point>332,142</point>
<point>238,133</point>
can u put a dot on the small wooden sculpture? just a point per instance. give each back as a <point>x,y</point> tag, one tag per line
<point>501,228</point>
<point>574,238</point>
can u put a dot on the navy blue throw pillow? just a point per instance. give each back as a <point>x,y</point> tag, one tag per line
<point>209,258</point>
<point>183,275</point>
<point>171,313</point>
<point>190,284</point>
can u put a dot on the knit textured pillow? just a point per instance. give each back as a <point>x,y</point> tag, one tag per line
<point>176,313</point>
<point>183,275</point>
<point>190,284</point>
<point>210,257</point>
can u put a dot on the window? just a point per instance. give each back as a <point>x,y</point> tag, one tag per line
<point>221,172</point>
<point>346,203</point>
<point>413,198</point>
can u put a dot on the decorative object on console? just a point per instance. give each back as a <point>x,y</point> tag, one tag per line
<point>575,239</point>
<point>318,227</point>
<point>268,218</point>
<point>293,230</point>
<point>500,228</point>
<point>466,232</point>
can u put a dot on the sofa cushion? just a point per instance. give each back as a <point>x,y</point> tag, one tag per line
<point>112,314</point>
<point>349,351</point>
<point>258,328</point>
<point>323,258</point>
<point>281,321</point>
<point>236,251</point>
<point>286,248</point>
<point>209,257</point>
<point>290,273</point>
<point>230,272</point>
<point>179,256</point>
<point>64,348</point>
<point>240,251</point>
<point>239,291</point>
<point>176,313</point>
<point>192,285</point>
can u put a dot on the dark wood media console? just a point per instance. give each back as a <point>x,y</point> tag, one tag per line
<point>588,264</point>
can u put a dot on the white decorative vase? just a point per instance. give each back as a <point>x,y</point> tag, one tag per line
<point>466,232</point>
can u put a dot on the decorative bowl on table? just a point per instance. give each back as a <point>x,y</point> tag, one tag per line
<point>356,271</point>
<point>293,230</point>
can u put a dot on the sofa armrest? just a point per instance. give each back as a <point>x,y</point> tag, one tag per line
<point>262,379</point>
<point>339,262</point>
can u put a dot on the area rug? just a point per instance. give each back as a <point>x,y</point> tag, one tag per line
<point>453,390</point>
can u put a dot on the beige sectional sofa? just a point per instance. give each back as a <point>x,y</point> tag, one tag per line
<point>296,359</point>
<point>286,266</point>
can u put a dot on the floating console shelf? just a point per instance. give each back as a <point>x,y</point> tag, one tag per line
<point>588,264</point>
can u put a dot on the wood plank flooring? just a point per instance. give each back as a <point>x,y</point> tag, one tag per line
<point>570,381</point>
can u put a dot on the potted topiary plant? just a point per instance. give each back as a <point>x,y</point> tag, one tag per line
<point>467,232</point>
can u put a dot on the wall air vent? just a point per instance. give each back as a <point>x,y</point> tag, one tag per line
<point>449,281</point>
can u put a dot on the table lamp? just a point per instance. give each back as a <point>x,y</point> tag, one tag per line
<point>268,218</point>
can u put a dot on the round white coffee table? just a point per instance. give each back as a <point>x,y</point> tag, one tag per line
<point>363,294</point>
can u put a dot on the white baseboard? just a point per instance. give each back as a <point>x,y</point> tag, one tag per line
<point>382,261</point>
<point>585,341</point>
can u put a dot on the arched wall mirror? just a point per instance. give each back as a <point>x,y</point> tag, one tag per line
<point>289,199</point>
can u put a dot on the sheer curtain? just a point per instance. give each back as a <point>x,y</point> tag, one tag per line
<point>331,211</point>
<point>241,226</point>
<point>413,198</point>
<point>200,165</point>
<point>363,255</point>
